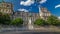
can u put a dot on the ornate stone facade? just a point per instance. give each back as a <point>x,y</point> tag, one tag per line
<point>44,13</point>
<point>6,7</point>
<point>25,16</point>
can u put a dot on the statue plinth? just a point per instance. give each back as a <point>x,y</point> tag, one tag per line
<point>30,26</point>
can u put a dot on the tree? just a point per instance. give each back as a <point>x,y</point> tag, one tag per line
<point>40,22</point>
<point>17,21</point>
<point>4,19</point>
<point>52,20</point>
<point>58,22</point>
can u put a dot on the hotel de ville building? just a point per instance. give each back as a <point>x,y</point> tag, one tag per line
<point>7,7</point>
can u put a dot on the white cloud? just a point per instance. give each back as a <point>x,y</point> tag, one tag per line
<point>23,10</point>
<point>58,17</point>
<point>42,1</point>
<point>57,6</point>
<point>27,3</point>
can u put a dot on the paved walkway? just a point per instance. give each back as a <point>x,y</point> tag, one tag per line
<point>29,32</point>
<point>40,29</point>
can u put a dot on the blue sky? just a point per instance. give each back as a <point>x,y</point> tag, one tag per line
<point>33,6</point>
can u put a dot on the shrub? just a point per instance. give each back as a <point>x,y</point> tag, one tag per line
<point>40,22</point>
<point>17,21</point>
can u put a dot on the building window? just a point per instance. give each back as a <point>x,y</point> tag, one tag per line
<point>1,10</point>
<point>5,10</point>
<point>7,5</point>
<point>18,12</point>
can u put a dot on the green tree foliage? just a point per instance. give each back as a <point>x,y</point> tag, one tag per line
<point>40,22</point>
<point>17,21</point>
<point>58,22</point>
<point>4,19</point>
<point>53,20</point>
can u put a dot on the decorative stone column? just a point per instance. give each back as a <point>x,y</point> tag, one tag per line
<point>30,25</point>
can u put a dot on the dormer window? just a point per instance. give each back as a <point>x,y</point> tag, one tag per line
<point>7,5</point>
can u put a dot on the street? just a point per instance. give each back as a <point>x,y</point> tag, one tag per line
<point>29,32</point>
<point>40,30</point>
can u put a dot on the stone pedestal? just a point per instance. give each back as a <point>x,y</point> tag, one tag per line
<point>30,26</point>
